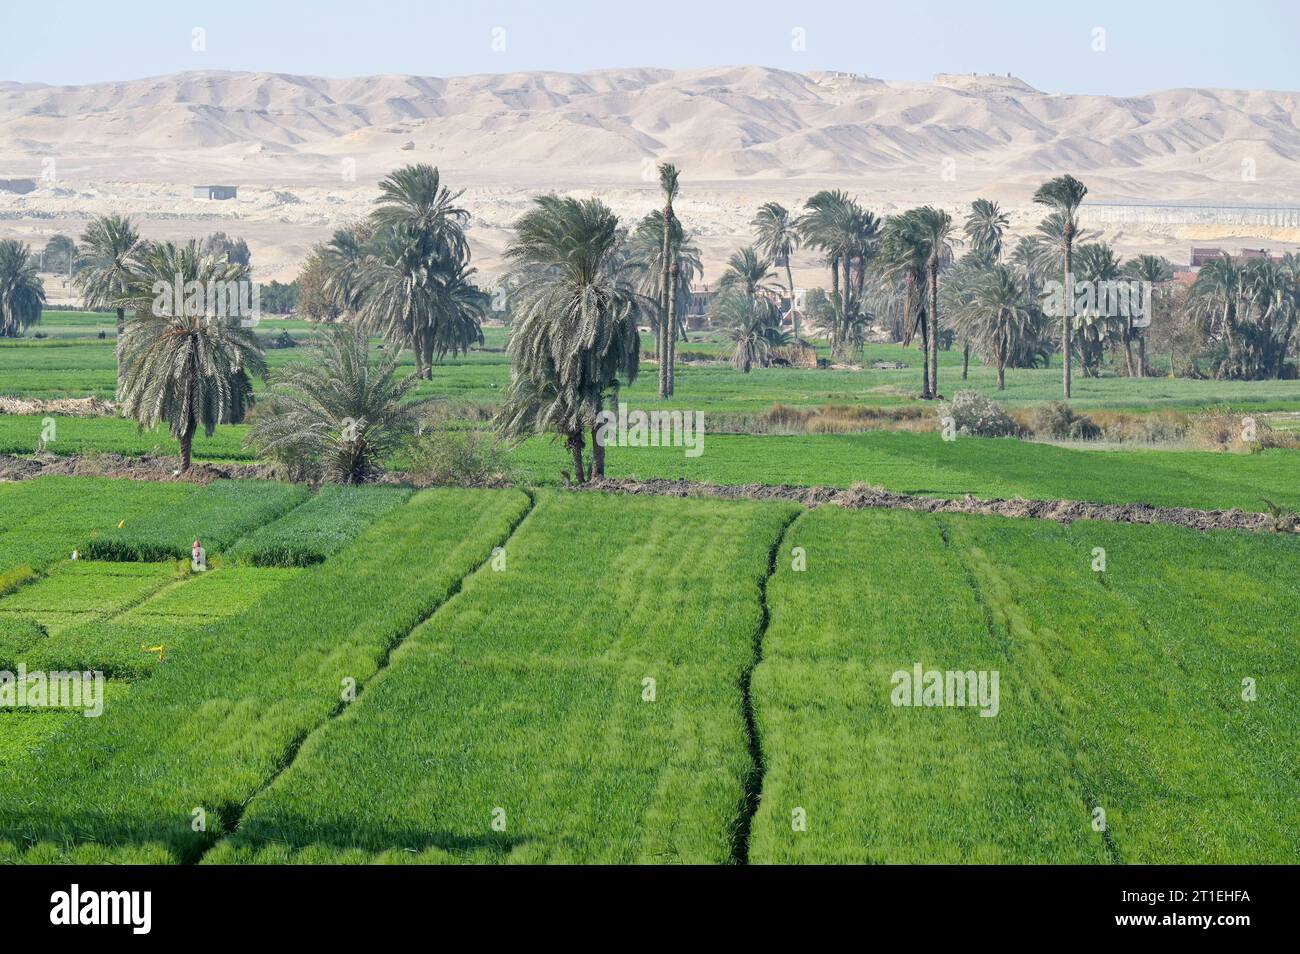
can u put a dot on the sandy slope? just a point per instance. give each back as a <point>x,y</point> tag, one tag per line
<point>306,151</point>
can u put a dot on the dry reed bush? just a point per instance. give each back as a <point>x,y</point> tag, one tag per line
<point>831,419</point>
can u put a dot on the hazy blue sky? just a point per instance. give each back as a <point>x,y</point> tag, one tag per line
<point>1148,45</point>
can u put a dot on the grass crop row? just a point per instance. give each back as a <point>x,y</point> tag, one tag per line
<point>523,702</point>
<point>1144,664</point>
<point>216,723</point>
<point>218,515</point>
<point>852,778</point>
<point>321,526</point>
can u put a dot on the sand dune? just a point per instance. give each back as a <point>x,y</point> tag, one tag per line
<point>306,151</point>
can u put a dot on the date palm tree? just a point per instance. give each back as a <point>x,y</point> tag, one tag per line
<point>1155,270</point>
<point>997,318</point>
<point>777,238</point>
<point>181,363</point>
<point>22,295</point>
<point>903,259</point>
<point>645,251</point>
<point>932,228</point>
<point>668,184</point>
<point>574,340</point>
<point>111,248</point>
<point>985,226</point>
<point>337,416</point>
<point>1063,195</point>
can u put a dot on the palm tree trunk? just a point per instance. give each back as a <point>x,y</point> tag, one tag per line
<point>789,281</point>
<point>1142,353</point>
<point>575,447</point>
<point>674,274</point>
<point>1002,366</point>
<point>1065,320</point>
<point>923,322</point>
<point>666,328</point>
<point>965,359</point>
<point>121,328</point>
<point>597,456</point>
<point>934,329</point>
<point>187,445</point>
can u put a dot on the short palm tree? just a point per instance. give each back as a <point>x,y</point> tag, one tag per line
<point>777,237</point>
<point>180,367</point>
<point>754,325</point>
<point>111,248</point>
<point>574,340</point>
<point>336,417</point>
<point>1063,195</point>
<point>998,318</point>
<point>22,295</point>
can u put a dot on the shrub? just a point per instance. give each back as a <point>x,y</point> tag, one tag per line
<point>1056,419</point>
<point>976,415</point>
<point>459,457</point>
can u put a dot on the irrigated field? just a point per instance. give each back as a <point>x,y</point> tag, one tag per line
<point>466,675</point>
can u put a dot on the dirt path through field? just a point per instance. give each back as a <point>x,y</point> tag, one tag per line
<point>855,498</point>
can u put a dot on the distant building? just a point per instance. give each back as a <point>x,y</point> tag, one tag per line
<point>1202,255</point>
<point>214,192</point>
<point>701,301</point>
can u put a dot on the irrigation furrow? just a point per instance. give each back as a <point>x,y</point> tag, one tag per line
<point>754,777</point>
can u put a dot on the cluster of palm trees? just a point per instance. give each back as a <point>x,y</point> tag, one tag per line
<point>1249,312</point>
<point>404,274</point>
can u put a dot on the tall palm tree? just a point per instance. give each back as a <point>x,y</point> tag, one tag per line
<point>337,416</point>
<point>1064,195</point>
<point>1098,324</point>
<point>645,254</point>
<point>668,176</point>
<point>932,228</point>
<point>903,257</point>
<point>574,340</point>
<point>777,237</point>
<point>826,226</point>
<point>1155,270</point>
<point>22,295</point>
<point>342,259</point>
<point>985,226</point>
<point>179,363</point>
<point>111,249</point>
